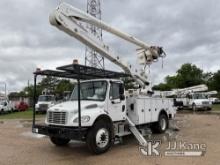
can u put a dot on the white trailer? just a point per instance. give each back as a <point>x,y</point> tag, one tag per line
<point>100,111</point>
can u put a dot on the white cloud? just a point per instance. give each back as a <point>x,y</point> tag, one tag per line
<point>188,30</point>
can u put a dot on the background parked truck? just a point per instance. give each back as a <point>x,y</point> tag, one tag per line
<point>44,102</point>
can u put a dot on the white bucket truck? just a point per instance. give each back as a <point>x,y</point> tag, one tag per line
<point>192,97</point>
<point>99,111</point>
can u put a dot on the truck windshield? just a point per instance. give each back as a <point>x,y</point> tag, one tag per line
<point>45,98</point>
<point>199,96</point>
<point>94,90</point>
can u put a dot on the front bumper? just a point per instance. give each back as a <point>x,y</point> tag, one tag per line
<point>73,133</point>
<point>203,106</point>
<point>41,109</point>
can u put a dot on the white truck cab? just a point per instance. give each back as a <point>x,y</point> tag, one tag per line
<point>98,97</point>
<point>44,102</point>
<point>214,100</point>
<point>6,106</point>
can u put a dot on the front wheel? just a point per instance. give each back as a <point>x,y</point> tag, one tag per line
<point>99,138</point>
<point>59,141</point>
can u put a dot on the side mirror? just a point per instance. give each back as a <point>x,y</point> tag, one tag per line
<point>5,104</point>
<point>121,89</point>
<point>177,103</point>
<point>122,97</point>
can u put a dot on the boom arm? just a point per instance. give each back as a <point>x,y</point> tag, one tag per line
<point>184,91</point>
<point>68,19</point>
<point>211,93</point>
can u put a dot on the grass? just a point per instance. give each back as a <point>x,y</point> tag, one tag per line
<point>216,107</point>
<point>29,114</point>
<point>20,115</point>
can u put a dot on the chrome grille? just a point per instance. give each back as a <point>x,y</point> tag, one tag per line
<point>57,117</point>
<point>205,102</point>
<point>43,106</point>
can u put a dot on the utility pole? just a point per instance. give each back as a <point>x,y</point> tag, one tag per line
<point>5,88</point>
<point>92,58</point>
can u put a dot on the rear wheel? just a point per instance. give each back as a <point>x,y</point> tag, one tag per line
<point>59,141</point>
<point>162,124</point>
<point>99,137</point>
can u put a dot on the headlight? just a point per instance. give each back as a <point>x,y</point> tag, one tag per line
<point>84,119</point>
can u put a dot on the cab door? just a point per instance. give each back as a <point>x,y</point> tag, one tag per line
<point>116,102</point>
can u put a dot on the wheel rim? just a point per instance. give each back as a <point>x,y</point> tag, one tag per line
<point>163,124</point>
<point>102,138</point>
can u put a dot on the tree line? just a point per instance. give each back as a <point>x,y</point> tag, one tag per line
<point>190,75</point>
<point>186,76</point>
<point>56,86</point>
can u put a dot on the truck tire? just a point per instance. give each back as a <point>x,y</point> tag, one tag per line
<point>210,108</point>
<point>59,141</point>
<point>99,137</point>
<point>162,124</point>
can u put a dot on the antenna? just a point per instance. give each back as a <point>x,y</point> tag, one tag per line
<point>92,58</point>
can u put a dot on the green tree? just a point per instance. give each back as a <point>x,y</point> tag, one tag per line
<point>215,81</point>
<point>129,83</point>
<point>49,83</point>
<point>162,87</point>
<point>63,85</point>
<point>188,75</point>
<point>57,86</point>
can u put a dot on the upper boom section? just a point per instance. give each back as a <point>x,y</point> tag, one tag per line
<point>184,91</point>
<point>146,54</point>
<point>69,19</point>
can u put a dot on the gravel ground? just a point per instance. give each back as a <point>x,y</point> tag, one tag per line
<point>19,146</point>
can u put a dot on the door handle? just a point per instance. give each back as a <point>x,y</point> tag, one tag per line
<point>123,108</point>
<point>116,102</point>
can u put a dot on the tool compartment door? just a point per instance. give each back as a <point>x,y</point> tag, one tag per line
<point>157,105</point>
<point>140,110</point>
<point>147,110</point>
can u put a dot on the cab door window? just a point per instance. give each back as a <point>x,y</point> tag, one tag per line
<point>115,91</point>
